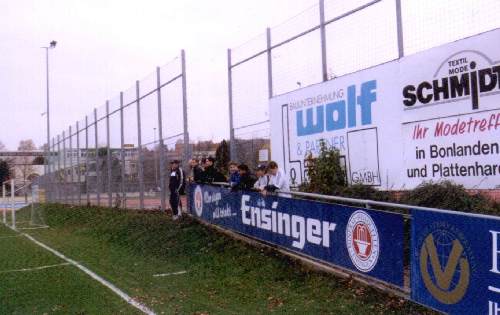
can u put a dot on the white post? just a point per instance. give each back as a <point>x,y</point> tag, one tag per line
<point>12,201</point>
<point>4,201</point>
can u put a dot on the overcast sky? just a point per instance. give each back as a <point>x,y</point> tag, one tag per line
<point>105,45</point>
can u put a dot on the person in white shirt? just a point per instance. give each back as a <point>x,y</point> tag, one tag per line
<point>262,178</point>
<point>277,180</point>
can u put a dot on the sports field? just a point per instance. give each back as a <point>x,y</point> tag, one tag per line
<point>169,267</point>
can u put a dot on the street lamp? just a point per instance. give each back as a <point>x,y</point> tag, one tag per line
<point>52,45</point>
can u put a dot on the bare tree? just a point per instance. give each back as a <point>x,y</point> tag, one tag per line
<point>26,162</point>
<point>2,146</point>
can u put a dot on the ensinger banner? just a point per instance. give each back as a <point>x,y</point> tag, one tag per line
<point>365,241</point>
<point>433,115</point>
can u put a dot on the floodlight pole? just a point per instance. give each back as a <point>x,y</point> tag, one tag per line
<point>47,112</point>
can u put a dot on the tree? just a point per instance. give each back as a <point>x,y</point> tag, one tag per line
<point>2,146</point>
<point>5,171</point>
<point>26,162</point>
<point>222,156</point>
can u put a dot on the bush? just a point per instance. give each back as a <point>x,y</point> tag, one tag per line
<point>360,191</point>
<point>447,195</point>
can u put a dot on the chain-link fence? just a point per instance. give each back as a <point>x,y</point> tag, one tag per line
<point>331,39</point>
<point>117,155</point>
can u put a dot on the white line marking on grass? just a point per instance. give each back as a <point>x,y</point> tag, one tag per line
<point>94,276</point>
<point>170,273</point>
<point>34,228</point>
<point>35,268</point>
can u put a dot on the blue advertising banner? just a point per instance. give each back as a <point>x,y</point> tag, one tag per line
<point>455,262</point>
<point>366,241</point>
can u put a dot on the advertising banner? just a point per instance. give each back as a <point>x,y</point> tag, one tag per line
<point>455,262</point>
<point>429,116</point>
<point>365,241</point>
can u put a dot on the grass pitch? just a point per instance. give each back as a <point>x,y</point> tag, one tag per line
<point>203,271</point>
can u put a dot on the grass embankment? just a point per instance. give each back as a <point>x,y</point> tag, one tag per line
<point>223,276</point>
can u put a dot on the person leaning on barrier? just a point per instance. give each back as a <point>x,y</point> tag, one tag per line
<point>262,178</point>
<point>234,175</point>
<point>278,181</point>
<point>247,180</point>
<point>211,174</point>
<point>175,185</point>
<point>196,171</point>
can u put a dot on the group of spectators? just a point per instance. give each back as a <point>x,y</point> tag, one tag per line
<point>266,178</point>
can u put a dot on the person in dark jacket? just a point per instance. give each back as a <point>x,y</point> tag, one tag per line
<point>211,174</point>
<point>175,185</point>
<point>197,171</point>
<point>247,180</point>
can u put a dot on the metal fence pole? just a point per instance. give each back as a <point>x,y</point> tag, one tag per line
<point>71,166</point>
<point>122,154</point>
<point>58,179</point>
<point>87,159</point>
<point>65,186</point>
<point>322,28</point>
<point>53,183</point>
<point>139,145</point>
<point>232,140</point>
<point>78,168</point>
<point>108,158</point>
<point>163,198</point>
<point>399,25</point>
<point>187,149</point>
<point>97,171</point>
<point>12,202</point>
<point>269,64</point>
<point>4,201</point>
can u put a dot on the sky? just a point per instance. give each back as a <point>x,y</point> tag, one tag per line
<point>105,45</point>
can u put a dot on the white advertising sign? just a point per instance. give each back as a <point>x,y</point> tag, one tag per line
<point>433,116</point>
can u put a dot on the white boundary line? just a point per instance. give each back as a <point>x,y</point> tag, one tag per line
<point>93,275</point>
<point>170,273</point>
<point>34,228</point>
<point>35,268</point>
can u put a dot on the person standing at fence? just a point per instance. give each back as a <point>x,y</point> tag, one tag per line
<point>262,177</point>
<point>211,174</point>
<point>175,186</point>
<point>247,180</point>
<point>196,171</point>
<point>277,180</point>
<point>234,175</point>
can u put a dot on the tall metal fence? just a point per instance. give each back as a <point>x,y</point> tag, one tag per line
<point>330,39</point>
<point>117,155</point>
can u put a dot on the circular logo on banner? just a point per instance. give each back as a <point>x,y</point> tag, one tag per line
<point>198,200</point>
<point>444,265</point>
<point>362,241</point>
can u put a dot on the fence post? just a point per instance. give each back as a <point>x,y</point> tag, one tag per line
<point>108,158</point>
<point>4,201</point>
<point>187,151</point>
<point>87,156</point>
<point>122,154</point>
<point>399,25</point>
<point>322,28</point>
<point>53,174</point>
<point>78,168</point>
<point>139,145</point>
<point>269,64</point>
<point>58,179</point>
<point>12,202</point>
<point>97,171</point>
<point>163,198</point>
<point>232,140</point>
<point>65,186</point>
<point>71,165</point>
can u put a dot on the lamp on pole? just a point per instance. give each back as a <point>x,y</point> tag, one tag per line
<point>52,45</point>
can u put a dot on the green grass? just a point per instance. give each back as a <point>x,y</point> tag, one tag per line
<point>223,276</point>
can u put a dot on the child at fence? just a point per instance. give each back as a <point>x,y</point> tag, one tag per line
<point>234,175</point>
<point>247,180</point>
<point>262,178</point>
<point>175,185</point>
